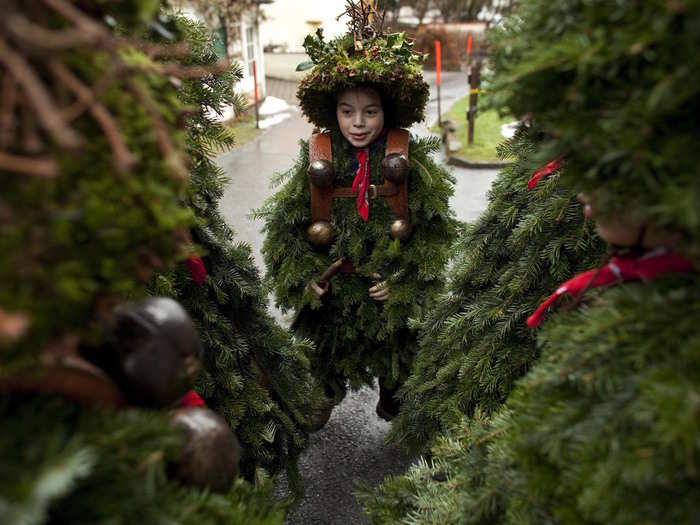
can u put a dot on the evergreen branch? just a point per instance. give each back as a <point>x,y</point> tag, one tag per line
<point>424,173</point>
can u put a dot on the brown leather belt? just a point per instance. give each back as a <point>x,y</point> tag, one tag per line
<point>385,190</point>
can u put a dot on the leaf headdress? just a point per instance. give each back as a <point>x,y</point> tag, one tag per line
<point>364,56</point>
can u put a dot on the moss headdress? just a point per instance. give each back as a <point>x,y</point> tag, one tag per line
<point>364,56</point>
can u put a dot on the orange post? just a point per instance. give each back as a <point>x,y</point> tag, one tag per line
<point>438,61</point>
<point>255,81</point>
<point>438,70</point>
<point>469,46</point>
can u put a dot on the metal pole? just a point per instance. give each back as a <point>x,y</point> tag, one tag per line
<point>438,68</point>
<point>255,80</point>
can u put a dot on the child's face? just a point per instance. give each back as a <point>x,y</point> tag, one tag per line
<point>360,116</point>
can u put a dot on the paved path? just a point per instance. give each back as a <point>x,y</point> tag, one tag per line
<point>350,448</point>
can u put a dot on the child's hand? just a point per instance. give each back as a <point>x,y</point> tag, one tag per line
<point>380,291</point>
<point>317,289</point>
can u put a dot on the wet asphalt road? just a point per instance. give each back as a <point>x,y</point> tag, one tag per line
<point>350,448</point>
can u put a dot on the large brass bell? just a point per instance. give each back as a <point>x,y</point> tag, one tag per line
<point>321,173</point>
<point>401,229</point>
<point>395,167</point>
<point>211,452</point>
<point>320,233</point>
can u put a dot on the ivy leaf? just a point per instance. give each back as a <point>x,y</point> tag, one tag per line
<point>396,40</point>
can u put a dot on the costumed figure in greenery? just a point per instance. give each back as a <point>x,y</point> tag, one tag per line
<point>253,373</point>
<point>358,236</point>
<point>99,422</point>
<point>604,428</point>
<point>474,343</point>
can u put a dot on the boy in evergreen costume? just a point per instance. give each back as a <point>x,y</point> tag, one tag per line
<point>357,238</point>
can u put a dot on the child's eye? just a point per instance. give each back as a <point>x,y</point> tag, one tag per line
<point>372,112</point>
<point>346,112</point>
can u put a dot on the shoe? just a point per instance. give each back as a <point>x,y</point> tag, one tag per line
<point>387,407</point>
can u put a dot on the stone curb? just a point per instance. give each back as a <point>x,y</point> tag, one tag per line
<point>464,163</point>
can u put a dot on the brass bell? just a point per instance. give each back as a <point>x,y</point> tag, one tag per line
<point>211,452</point>
<point>321,173</point>
<point>401,229</point>
<point>320,233</point>
<point>395,167</point>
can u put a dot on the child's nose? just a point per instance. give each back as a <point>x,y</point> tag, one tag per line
<point>359,120</point>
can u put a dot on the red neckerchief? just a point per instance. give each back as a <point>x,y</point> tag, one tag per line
<point>543,172</point>
<point>361,183</point>
<point>197,269</point>
<point>191,399</point>
<point>646,268</point>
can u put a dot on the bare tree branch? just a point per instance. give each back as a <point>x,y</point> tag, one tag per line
<point>44,168</point>
<point>123,158</point>
<point>46,109</point>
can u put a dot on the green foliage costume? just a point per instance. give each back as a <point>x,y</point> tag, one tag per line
<point>474,342</point>
<point>253,374</point>
<point>357,338</point>
<point>92,162</point>
<point>603,430</point>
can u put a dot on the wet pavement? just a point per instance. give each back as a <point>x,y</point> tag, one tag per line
<point>350,448</point>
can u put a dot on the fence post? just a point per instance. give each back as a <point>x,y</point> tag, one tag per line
<point>474,85</point>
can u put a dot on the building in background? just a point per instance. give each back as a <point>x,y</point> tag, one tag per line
<point>237,38</point>
<point>287,22</point>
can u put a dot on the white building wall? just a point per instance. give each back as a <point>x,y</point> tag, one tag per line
<point>286,24</point>
<point>243,49</point>
<point>239,51</point>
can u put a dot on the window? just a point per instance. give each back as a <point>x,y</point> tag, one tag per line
<point>250,47</point>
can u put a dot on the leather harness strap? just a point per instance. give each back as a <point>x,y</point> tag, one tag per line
<point>321,198</point>
<point>396,194</point>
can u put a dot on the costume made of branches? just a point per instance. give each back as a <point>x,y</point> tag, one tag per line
<point>358,338</point>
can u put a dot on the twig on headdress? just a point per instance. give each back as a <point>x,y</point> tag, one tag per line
<point>365,20</point>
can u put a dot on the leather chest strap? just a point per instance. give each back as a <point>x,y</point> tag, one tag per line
<point>397,192</point>
<point>397,142</point>
<point>321,198</point>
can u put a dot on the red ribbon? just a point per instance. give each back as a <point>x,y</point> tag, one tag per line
<point>543,172</point>
<point>361,183</point>
<point>191,399</point>
<point>618,270</point>
<point>197,269</point>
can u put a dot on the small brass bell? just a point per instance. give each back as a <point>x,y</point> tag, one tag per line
<point>321,173</point>
<point>320,233</point>
<point>395,168</point>
<point>401,229</point>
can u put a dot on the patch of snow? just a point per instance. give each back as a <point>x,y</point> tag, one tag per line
<point>508,130</point>
<point>274,120</point>
<point>273,105</point>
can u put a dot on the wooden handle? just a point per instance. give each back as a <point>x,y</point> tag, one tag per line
<point>330,272</point>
